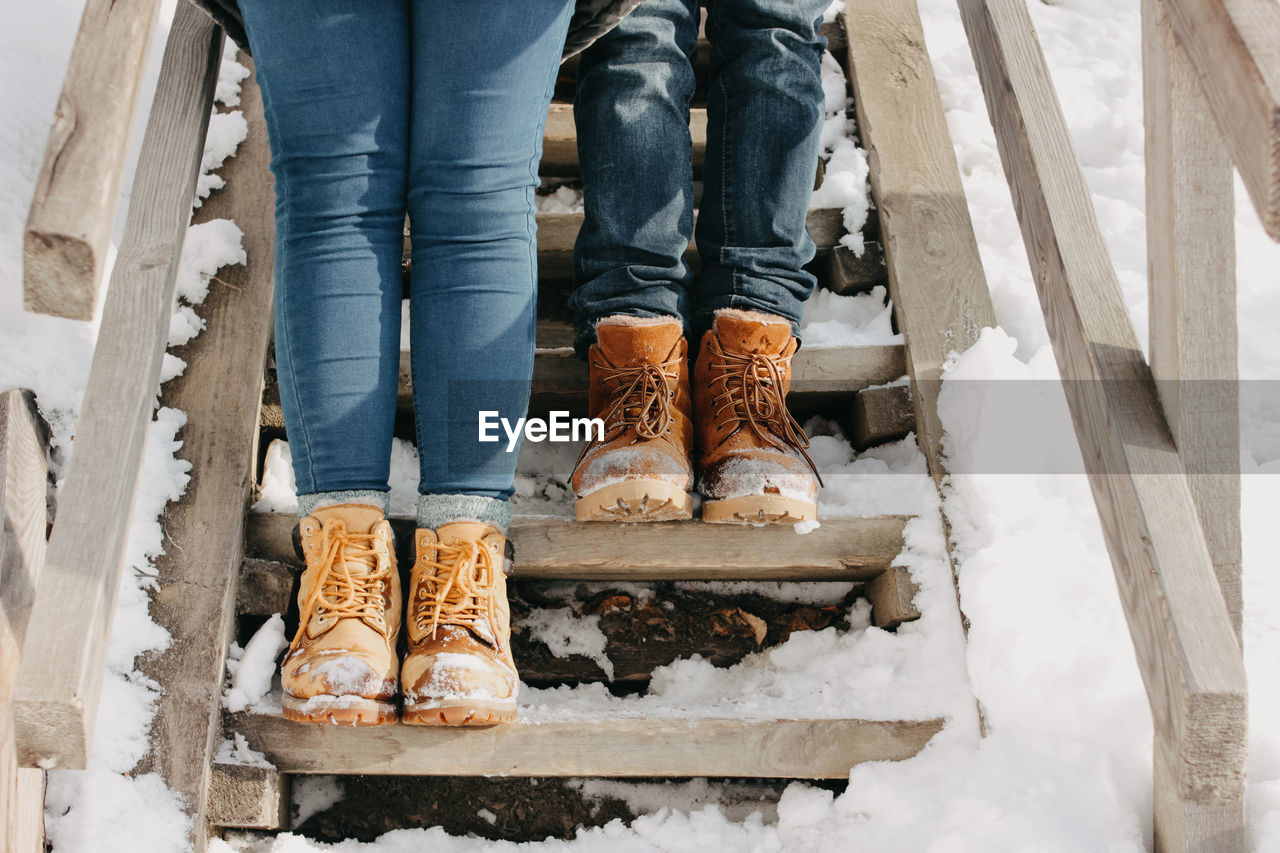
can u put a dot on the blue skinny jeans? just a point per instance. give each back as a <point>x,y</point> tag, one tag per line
<point>376,108</point>
<point>764,118</point>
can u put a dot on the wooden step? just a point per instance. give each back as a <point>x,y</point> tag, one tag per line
<point>557,233</point>
<point>560,379</point>
<point>618,747</point>
<point>846,549</point>
<point>560,140</point>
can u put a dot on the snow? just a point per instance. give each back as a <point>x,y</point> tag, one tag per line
<point>236,750</point>
<point>253,669</point>
<point>567,633</point>
<point>314,794</point>
<point>862,319</point>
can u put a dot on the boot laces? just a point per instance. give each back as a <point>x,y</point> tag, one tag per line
<point>337,590</point>
<point>643,405</point>
<point>751,392</point>
<point>458,588</point>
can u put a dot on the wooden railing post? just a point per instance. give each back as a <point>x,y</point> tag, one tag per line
<point>1193,345</point>
<point>24,466</point>
<point>56,698</point>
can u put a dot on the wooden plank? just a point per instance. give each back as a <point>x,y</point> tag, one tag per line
<point>560,379</point>
<point>1191,282</point>
<point>892,597</point>
<point>882,414</point>
<point>204,531</point>
<point>1234,49</point>
<point>56,699</point>
<point>1186,648</point>
<point>24,466</point>
<point>1191,263</point>
<point>848,273</point>
<point>560,140</point>
<point>558,231</point>
<point>68,230</point>
<point>782,749</point>
<point>248,797</point>
<point>936,280</point>
<point>841,549</point>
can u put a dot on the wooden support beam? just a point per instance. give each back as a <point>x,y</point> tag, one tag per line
<point>892,597</point>
<point>600,746</point>
<point>68,230</point>
<point>56,698</point>
<point>1234,50</point>
<point>845,549</point>
<point>560,140</point>
<point>204,531</point>
<point>936,280</point>
<point>848,273</point>
<point>243,796</point>
<point>1191,282</point>
<point>882,414</point>
<point>560,379</point>
<point>24,467</point>
<point>1186,647</point>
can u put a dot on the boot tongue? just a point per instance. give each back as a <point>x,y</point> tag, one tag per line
<point>462,532</point>
<point>627,345</point>
<point>745,332</point>
<point>358,518</point>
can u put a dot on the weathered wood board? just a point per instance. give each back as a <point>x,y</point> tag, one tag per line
<point>56,698</point>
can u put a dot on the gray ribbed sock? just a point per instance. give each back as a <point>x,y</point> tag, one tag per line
<point>435,510</point>
<point>308,504</point>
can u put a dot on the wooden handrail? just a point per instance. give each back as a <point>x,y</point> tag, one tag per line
<point>69,224</point>
<point>1234,46</point>
<point>1185,641</point>
<point>56,699</point>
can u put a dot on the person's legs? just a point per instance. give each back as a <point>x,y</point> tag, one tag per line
<point>634,150</point>
<point>335,85</point>
<point>483,74</point>
<point>764,118</point>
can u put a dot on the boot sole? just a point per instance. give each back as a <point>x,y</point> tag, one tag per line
<point>636,500</point>
<point>340,711</point>
<point>463,713</point>
<point>759,510</point>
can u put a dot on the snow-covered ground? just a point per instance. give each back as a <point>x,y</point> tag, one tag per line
<point>1066,765</point>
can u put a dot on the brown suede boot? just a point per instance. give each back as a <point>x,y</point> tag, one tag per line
<point>459,670</point>
<point>639,387</point>
<point>342,667</point>
<point>752,464</point>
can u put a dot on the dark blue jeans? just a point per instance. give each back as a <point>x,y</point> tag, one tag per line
<point>376,108</point>
<point>764,114</point>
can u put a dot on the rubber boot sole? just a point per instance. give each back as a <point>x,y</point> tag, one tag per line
<point>463,713</point>
<point>636,500</point>
<point>340,711</point>
<point>759,510</point>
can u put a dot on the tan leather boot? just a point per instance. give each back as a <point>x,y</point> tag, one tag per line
<point>752,464</point>
<point>639,386</point>
<point>459,670</point>
<point>342,667</point>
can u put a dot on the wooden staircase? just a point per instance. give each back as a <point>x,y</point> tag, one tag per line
<point>853,557</point>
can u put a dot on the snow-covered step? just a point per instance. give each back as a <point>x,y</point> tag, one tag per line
<point>560,140</point>
<point>598,746</point>
<point>847,549</point>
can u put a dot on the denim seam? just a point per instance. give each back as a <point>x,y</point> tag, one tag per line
<point>269,107</point>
